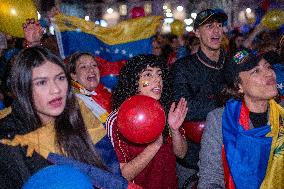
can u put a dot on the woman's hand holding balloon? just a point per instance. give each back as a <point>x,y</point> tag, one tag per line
<point>177,114</point>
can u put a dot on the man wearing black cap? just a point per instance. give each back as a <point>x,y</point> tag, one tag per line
<point>198,78</point>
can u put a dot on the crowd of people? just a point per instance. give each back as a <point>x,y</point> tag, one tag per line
<point>57,112</point>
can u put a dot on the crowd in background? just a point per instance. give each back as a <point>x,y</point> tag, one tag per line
<point>170,51</point>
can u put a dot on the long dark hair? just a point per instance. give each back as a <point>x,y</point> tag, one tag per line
<point>129,76</point>
<point>71,134</point>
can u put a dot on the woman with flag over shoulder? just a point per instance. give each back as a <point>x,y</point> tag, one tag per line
<point>85,73</point>
<point>242,144</point>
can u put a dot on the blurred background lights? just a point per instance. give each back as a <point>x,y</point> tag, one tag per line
<point>51,30</point>
<point>189,28</point>
<point>168,20</point>
<point>109,10</point>
<point>111,17</point>
<point>123,10</point>
<point>242,17</point>
<point>103,23</point>
<point>248,10</point>
<point>87,18</point>
<point>180,8</point>
<point>166,27</point>
<point>114,11</point>
<point>193,15</point>
<point>188,21</point>
<point>38,15</point>
<point>148,8</point>
<point>13,11</point>
<point>180,15</point>
<point>169,14</point>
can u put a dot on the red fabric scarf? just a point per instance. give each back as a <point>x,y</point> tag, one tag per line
<point>103,97</point>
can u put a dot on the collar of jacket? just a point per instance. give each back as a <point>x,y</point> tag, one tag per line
<point>218,65</point>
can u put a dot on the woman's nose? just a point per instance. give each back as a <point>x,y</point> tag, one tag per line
<point>54,88</point>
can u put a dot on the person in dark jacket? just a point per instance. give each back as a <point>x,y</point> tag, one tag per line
<point>46,126</point>
<point>198,77</point>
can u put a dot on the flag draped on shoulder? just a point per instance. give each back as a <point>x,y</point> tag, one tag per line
<point>253,158</point>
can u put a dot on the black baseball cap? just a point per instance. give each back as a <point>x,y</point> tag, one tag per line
<point>243,60</point>
<point>210,14</point>
<point>272,57</point>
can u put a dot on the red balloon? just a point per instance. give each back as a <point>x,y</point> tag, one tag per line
<point>194,130</point>
<point>141,119</point>
<point>137,12</point>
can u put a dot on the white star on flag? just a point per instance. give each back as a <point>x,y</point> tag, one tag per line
<point>116,51</point>
<point>123,51</point>
<point>280,86</point>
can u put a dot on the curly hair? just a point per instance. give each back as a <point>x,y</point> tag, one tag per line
<point>129,77</point>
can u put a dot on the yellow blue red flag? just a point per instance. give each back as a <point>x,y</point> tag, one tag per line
<point>255,157</point>
<point>110,44</point>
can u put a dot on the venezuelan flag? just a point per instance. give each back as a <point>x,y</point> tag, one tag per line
<point>254,158</point>
<point>112,45</point>
<point>274,178</point>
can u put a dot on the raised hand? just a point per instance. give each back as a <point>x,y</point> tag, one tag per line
<point>33,32</point>
<point>177,114</point>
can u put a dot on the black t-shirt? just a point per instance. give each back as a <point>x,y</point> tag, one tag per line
<point>258,119</point>
<point>200,81</point>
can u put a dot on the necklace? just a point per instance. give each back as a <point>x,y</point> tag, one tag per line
<point>217,67</point>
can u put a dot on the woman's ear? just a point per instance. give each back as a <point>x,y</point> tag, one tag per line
<point>241,91</point>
